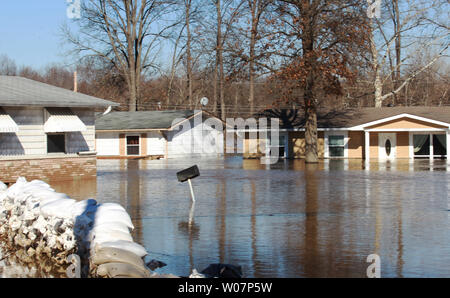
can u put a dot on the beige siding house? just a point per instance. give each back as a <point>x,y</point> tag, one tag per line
<point>46,132</point>
<point>369,133</point>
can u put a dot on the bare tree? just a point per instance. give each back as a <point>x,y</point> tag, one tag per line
<point>404,25</point>
<point>318,39</point>
<point>7,66</point>
<point>188,11</point>
<point>257,8</point>
<point>226,13</point>
<point>125,33</point>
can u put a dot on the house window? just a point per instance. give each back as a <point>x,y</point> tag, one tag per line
<point>132,145</point>
<point>281,146</point>
<point>56,143</point>
<point>421,145</point>
<point>430,145</point>
<point>440,145</point>
<point>336,146</point>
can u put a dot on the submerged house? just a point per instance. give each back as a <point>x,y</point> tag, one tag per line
<point>158,134</point>
<point>367,133</point>
<point>46,132</point>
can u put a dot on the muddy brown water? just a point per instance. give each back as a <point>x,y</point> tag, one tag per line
<point>284,220</point>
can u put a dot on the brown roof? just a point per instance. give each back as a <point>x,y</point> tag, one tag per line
<point>327,118</point>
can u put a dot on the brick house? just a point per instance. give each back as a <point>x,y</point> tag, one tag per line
<point>387,133</point>
<point>46,132</point>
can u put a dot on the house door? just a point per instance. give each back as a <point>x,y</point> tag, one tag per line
<point>387,146</point>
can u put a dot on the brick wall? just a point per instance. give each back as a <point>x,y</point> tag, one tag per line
<point>48,169</point>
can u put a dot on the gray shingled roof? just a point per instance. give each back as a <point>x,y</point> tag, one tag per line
<point>327,118</point>
<point>18,91</point>
<point>140,120</point>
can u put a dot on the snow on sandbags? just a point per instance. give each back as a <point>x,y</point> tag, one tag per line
<point>132,247</point>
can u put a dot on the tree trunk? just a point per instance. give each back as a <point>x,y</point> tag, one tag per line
<point>132,104</point>
<point>215,78</point>
<point>219,60</point>
<point>311,152</point>
<point>378,85</point>
<point>398,58</point>
<point>251,97</point>
<point>188,53</point>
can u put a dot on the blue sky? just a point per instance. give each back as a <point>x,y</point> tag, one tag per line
<point>29,31</point>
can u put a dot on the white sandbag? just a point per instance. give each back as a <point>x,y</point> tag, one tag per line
<point>116,255</point>
<point>122,269</point>
<point>60,208</point>
<point>39,184</point>
<point>132,247</point>
<point>17,187</point>
<point>47,196</point>
<point>108,226</point>
<point>120,216</point>
<point>109,236</point>
<point>3,186</point>
<point>110,206</point>
<point>85,206</point>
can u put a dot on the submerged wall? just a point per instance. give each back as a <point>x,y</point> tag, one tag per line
<point>48,169</point>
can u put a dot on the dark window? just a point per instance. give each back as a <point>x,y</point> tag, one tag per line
<point>439,145</point>
<point>56,143</point>
<point>133,145</point>
<point>281,146</point>
<point>421,145</point>
<point>336,146</point>
<point>387,146</point>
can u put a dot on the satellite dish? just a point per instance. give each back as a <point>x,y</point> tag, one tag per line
<point>204,101</point>
<point>108,110</point>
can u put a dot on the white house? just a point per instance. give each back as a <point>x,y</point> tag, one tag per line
<point>165,134</point>
<point>46,131</point>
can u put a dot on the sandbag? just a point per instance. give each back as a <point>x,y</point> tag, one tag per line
<point>110,206</point>
<point>108,226</point>
<point>132,247</point>
<point>86,206</point>
<point>104,216</point>
<point>3,186</point>
<point>48,196</point>
<point>112,235</point>
<point>122,269</point>
<point>60,208</point>
<point>116,255</point>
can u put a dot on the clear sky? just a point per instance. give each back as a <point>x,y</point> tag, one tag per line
<point>29,31</point>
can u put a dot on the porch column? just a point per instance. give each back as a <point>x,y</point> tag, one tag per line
<point>448,146</point>
<point>366,146</point>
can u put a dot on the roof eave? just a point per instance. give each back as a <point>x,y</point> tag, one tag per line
<point>59,105</point>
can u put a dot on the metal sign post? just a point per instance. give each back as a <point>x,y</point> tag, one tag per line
<point>192,190</point>
<point>188,175</point>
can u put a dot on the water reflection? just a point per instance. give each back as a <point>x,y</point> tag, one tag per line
<point>285,220</point>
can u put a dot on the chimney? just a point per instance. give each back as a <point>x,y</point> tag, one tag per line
<point>75,83</point>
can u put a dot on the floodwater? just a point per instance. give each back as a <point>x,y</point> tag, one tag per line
<point>284,220</point>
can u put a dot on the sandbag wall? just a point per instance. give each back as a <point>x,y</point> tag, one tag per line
<point>40,226</point>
